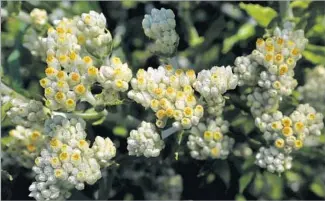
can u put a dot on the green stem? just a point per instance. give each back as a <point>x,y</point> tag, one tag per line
<point>285,10</point>
<point>4,89</point>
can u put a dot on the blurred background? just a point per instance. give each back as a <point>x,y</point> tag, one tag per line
<point>211,33</point>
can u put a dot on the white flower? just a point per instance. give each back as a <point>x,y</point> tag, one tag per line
<point>209,140</point>
<point>160,26</point>
<point>38,16</point>
<point>169,94</point>
<point>212,84</point>
<point>145,141</point>
<point>104,150</point>
<point>273,160</point>
<point>28,114</point>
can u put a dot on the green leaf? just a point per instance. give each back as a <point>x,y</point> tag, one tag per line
<point>13,7</point>
<point>300,4</point>
<point>120,131</point>
<point>258,183</point>
<point>315,54</point>
<point>318,187</point>
<point>5,176</point>
<point>275,185</point>
<point>4,109</point>
<point>99,121</point>
<point>223,172</point>
<point>245,31</point>
<point>262,15</point>
<point>240,197</point>
<point>6,141</point>
<point>292,176</point>
<point>245,180</point>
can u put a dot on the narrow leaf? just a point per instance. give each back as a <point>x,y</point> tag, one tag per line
<point>245,180</point>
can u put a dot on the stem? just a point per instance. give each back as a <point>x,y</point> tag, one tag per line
<point>166,133</point>
<point>285,10</point>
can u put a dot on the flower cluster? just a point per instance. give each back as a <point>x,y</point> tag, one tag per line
<point>145,141</point>
<point>160,26</point>
<point>273,160</point>
<point>72,49</point>
<point>313,92</point>
<point>208,140</point>
<point>93,34</point>
<point>168,186</point>
<point>38,17</point>
<point>35,43</point>
<point>289,132</point>
<point>29,114</point>
<point>24,145</point>
<point>68,161</point>
<point>113,78</point>
<point>212,84</point>
<point>169,94</point>
<point>271,68</point>
<point>246,70</point>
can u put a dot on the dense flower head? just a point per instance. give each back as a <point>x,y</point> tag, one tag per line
<point>39,17</point>
<point>212,84</point>
<point>145,141</point>
<point>313,92</point>
<point>24,145</point>
<point>246,70</point>
<point>160,26</point>
<point>208,140</point>
<point>68,161</point>
<point>270,68</point>
<point>116,76</point>
<point>169,94</point>
<point>273,160</point>
<point>288,133</point>
<point>29,114</point>
<point>71,69</point>
<point>93,33</point>
<point>261,101</point>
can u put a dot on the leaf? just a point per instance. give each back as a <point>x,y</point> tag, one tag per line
<point>223,171</point>
<point>99,121</point>
<point>314,54</point>
<point>318,187</point>
<point>5,141</point>
<point>300,4</point>
<point>245,180</point>
<point>5,176</point>
<point>4,109</point>
<point>240,197</point>
<point>275,188</point>
<point>245,31</point>
<point>262,15</point>
<point>292,176</point>
<point>120,131</point>
<point>258,183</point>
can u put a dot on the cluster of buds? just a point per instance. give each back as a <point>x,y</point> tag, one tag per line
<point>208,140</point>
<point>313,92</point>
<point>288,133</point>
<point>114,78</point>
<point>71,71</point>
<point>273,160</point>
<point>145,141</point>
<point>160,26</point>
<point>29,114</point>
<point>212,84</point>
<point>24,145</point>
<point>68,161</point>
<point>93,34</point>
<point>38,17</point>
<point>35,43</point>
<point>271,68</point>
<point>168,186</point>
<point>169,94</point>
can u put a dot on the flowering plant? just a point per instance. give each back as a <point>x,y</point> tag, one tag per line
<point>101,101</point>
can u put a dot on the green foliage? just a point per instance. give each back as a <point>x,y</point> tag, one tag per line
<point>318,187</point>
<point>262,15</point>
<point>244,180</point>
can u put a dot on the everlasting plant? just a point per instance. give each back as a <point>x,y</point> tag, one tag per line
<point>84,80</point>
